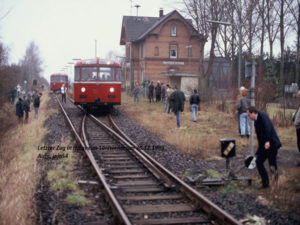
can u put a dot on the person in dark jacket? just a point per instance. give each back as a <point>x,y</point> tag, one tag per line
<point>158,92</point>
<point>195,103</point>
<point>151,90</point>
<point>177,100</point>
<point>36,104</point>
<point>268,145</point>
<point>26,107</point>
<point>19,110</point>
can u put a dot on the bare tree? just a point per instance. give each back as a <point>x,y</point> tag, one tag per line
<point>3,54</point>
<point>294,8</point>
<point>272,23</point>
<point>201,11</point>
<point>285,25</point>
<point>31,63</point>
<point>262,15</point>
<point>252,20</point>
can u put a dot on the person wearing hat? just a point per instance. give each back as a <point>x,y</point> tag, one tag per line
<point>268,145</point>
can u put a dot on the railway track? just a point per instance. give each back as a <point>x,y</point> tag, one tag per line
<point>138,188</point>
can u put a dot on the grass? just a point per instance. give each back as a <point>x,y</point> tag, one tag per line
<point>61,179</point>
<point>77,198</point>
<point>200,139</point>
<point>233,187</point>
<point>19,172</point>
<point>213,173</point>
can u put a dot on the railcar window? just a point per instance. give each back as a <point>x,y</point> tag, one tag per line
<point>64,78</point>
<point>55,79</point>
<point>88,73</point>
<point>118,73</point>
<point>77,74</point>
<point>106,74</point>
<point>59,78</point>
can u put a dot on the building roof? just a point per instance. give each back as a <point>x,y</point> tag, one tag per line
<point>135,28</point>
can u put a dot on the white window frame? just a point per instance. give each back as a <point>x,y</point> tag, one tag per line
<point>173,31</point>
<point>173,49</point>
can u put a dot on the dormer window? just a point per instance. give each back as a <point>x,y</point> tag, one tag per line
<point>173,31</point>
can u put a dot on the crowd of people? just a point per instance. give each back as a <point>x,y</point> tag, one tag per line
<point>173,98</point>
<point>24,102</point>
<point>268,140</point>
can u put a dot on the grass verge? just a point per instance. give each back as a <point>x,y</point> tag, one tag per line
<point>201,139</point>
<point>19,172</point>
<point>61,180</point>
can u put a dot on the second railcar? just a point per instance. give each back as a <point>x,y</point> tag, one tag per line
<point>57,80</point>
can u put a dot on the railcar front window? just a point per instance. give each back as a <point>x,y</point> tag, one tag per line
<point>106,74</point>
<point>59,78</point>
<point>64,78</point>
<point>55,79</point>
<point>89,73</point>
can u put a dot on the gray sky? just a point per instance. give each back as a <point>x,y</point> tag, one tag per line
<point>66,29</point>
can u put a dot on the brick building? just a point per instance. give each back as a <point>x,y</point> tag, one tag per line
<point>164,48</point>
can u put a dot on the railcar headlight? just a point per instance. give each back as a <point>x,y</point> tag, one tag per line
<point>112,90</point>
<point>83,89</point>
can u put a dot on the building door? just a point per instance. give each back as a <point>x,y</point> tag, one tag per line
<point>175,81</point>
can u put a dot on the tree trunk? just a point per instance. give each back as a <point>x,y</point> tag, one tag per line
<point>208,73</point>
<point>298,48</point>
<point>201,63</point>
<point>281,76</point>
<point>261,58</point>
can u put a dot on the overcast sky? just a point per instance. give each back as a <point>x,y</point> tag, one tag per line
<point>67,29</point>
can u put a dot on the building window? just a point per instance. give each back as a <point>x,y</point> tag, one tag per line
<point>173,51</point>
<point>173,31</point>
<point>189,51</point>
<point>156,51</point>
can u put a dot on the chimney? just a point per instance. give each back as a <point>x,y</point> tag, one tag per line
<point>161,12</point>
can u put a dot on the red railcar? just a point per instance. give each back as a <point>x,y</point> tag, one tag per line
<point>57,80</point>
<point>97,82</point>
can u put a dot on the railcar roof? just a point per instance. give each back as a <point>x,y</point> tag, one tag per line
<point>58,74</point>
<point>97,61</point>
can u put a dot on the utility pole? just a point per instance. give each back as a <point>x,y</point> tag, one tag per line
<point>252,99</point>
<point>240,45</point>
<point>240,56</point>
